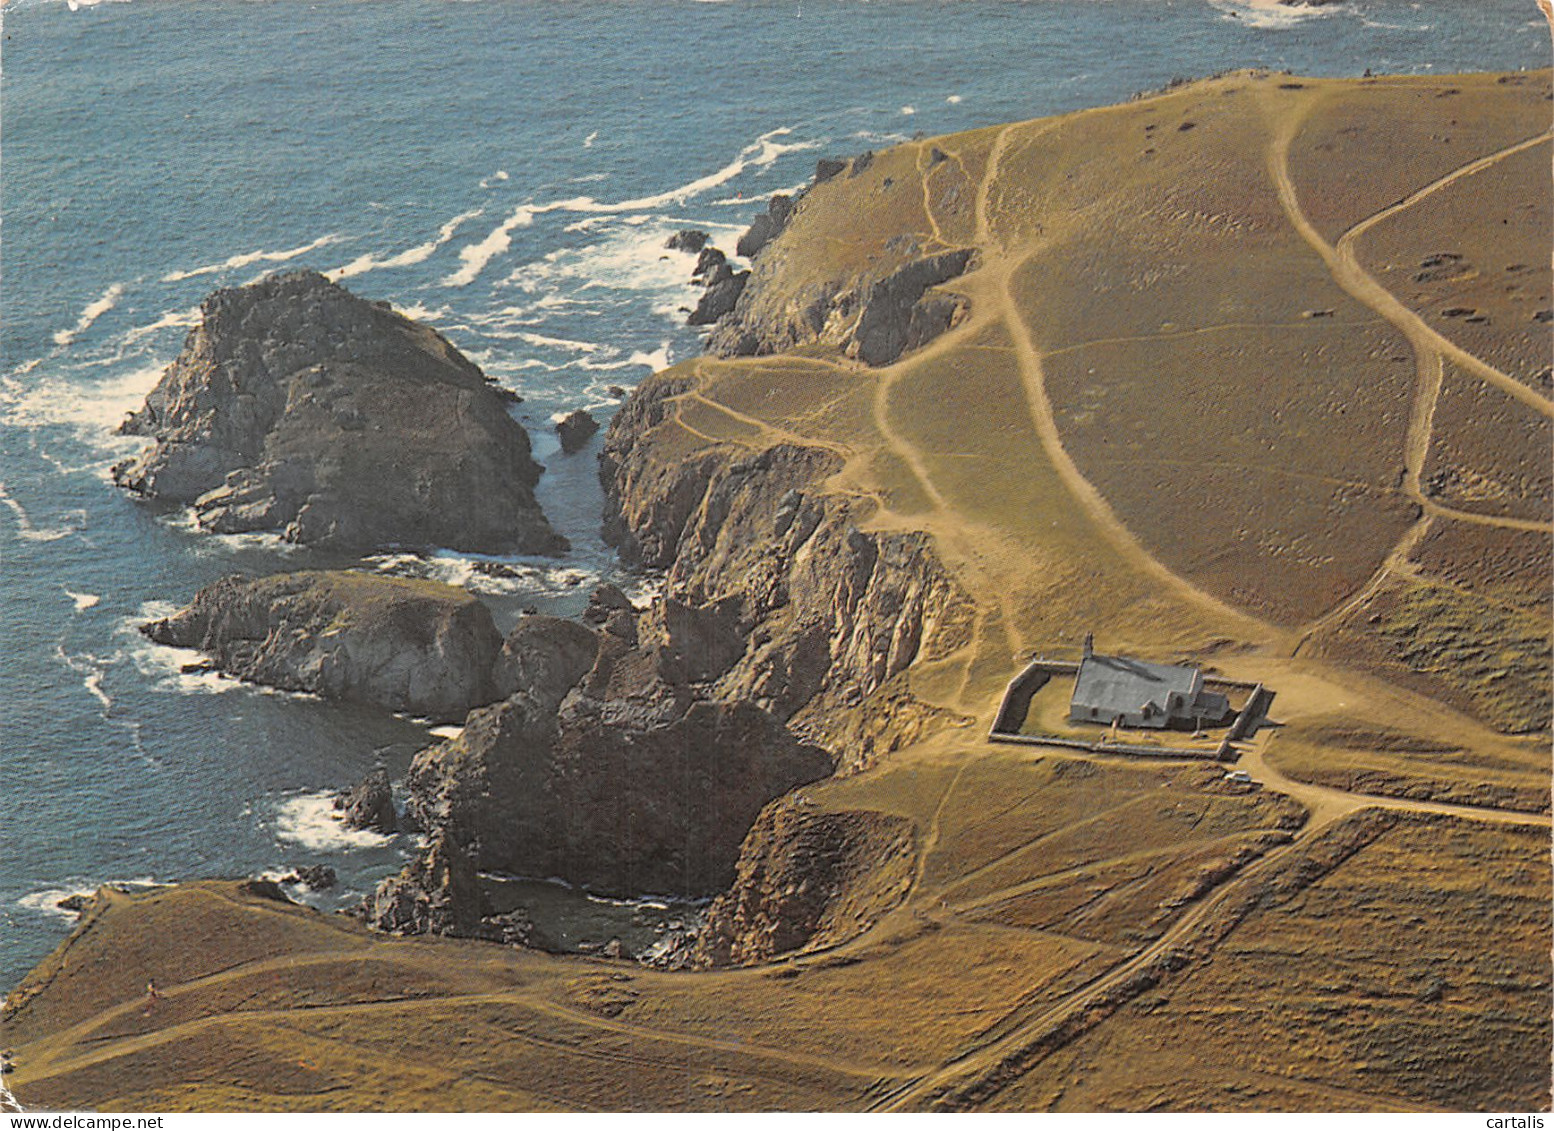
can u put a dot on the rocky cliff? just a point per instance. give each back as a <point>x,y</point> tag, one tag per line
<point>825,274</point>
<point>807,879</point>
<point>414,646</point>
<point>795,606</point>
<point>298,408</point>
<point>605,766</point>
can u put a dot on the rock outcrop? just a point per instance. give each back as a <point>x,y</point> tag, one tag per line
<point>298,408</point>
<point>790,603</point>
<point>415,646</point>
<point>869,294</point>
<point>766,226</point>
<point>872,315</point>
<point>437,893</point>
<point>369,804</point>
<point>544,657</point>
<point>688,239</point>
<point>808,878</point>
<point>632,785</point>
<point>575,430</point>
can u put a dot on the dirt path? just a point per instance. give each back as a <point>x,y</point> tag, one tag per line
<point>1353,278</point>
<point>82,1046</point>
<point>1095,506</point>
<point>1430,350</point>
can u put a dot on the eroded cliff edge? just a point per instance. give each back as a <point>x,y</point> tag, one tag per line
<point>636,757</point>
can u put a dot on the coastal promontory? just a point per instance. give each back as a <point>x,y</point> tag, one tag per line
<point>301,409</point>
<point>407,645</point>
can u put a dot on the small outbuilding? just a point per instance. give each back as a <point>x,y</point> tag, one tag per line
<point>1135,693</point>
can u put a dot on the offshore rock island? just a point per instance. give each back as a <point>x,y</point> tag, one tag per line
<point>1250,376</point>
<point>299,409</point>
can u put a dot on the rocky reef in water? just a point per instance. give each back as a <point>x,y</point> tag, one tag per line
<point>298,408</point>
<point>415,646</point>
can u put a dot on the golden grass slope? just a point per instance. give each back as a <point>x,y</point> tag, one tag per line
<point>1200,406</point>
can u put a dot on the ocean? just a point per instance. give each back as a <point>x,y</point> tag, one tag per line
<point>507,170</point>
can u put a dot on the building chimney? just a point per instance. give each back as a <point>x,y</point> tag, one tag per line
<point>1089,646</point>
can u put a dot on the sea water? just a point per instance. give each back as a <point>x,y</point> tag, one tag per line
<point>507,170</point>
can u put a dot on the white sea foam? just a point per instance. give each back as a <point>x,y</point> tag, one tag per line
<point>1269,14</point>
<point>494,178</point>
<point>625,257</point>
<point>46,901</point>
<point>94,408</point>
<point>909,110</point>
<point>173,318</point>
<point>311,821</point>
<point>588,142</point>
<point>954,100</point>
<point>475,256</point>
<point>423,313</point>
<point>92,312</point>
<point>83,601</point>
<point>163,664</point>
<point>25,527</point>
<point>445,732</point>
<point>245,258</point>
<point>661,358</point>
<point>91,669</point>
<point>760,153</point>
<point>488,574</point>
<point>420,253</point>
<point>561,343</point>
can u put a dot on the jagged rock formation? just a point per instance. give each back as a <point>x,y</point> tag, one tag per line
<point>873,307</point>
<point>369,804</point>
<point>437,893</point>
<point>415,646</point>
<point>808,879</point>
<point>794,606</point>
<point>766,226</point>
<point>298,408</point>
<point>631,783</point>
<point>544,657</point>
<point>575,430</point>
<point>872,314</point>
<point>318,877</point>
<point>688,239</point>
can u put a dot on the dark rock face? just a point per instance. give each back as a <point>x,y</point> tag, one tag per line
<point>413,646</point>
<point>544,657</point>
<point>437,893</point>
<point>711,265</point>
<point>719,298</point>
<point>319,877</point>
<point>298,408</point>
<point>828,167</point>
<point>875,316</point>
<point>783,599</point>
<point>605,795</point>
<point>808,878</point>
<point>369,805</point>
<point>896,314</point>
<point>575,430</point>
<point>690,239</point>
<point>779,210</point>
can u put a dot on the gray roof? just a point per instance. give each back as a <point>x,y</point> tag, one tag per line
<point>1118,685</point>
